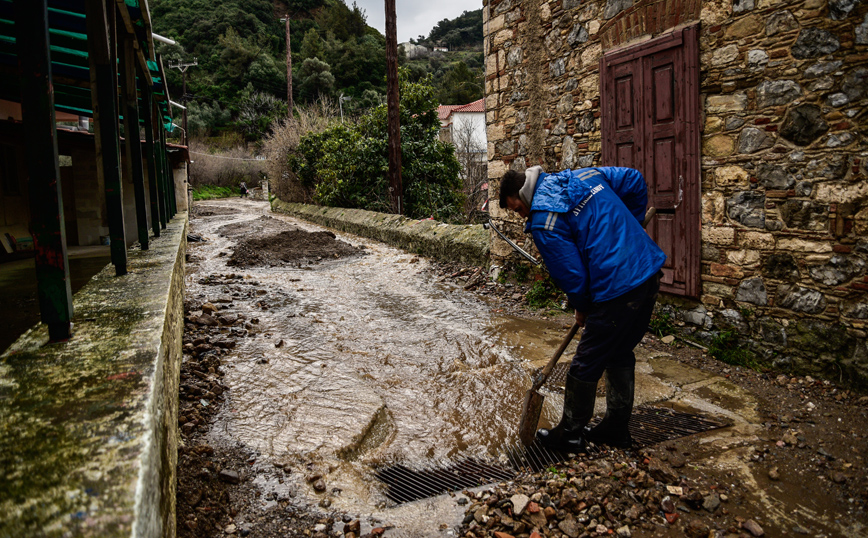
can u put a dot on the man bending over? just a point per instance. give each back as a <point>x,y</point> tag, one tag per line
<point>587,225</point>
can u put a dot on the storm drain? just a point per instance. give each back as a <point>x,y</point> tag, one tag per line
<point>648,426</point>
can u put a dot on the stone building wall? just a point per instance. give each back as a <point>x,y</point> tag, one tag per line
<point>784,89</point>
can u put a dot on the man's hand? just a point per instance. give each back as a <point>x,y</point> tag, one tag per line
<point>580,318</point>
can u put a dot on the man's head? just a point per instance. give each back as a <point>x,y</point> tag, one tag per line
<point>510,185</point>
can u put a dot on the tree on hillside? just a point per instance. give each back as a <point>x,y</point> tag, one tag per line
<point>203,119</point>
<point>465,31</point>
<point>460,85</point>
<point>342,21</point>
<point>311,45</point>
<point>258,111</point>
<point>296,7</point>
<point>316,78</point>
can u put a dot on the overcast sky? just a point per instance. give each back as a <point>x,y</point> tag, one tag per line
<point>415,17</point>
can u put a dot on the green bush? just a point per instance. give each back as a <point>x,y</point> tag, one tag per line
<point>347,165</point>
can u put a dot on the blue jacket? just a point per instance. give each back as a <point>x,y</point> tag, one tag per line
<point>587,224</point>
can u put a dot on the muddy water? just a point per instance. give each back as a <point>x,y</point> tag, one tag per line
<point>362,361</point>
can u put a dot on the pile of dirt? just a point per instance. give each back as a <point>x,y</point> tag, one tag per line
<point>290,247</point>
<point>260,227</point>
<point>211,211</point>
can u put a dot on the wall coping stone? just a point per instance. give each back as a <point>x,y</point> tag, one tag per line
<point>89,426</point>
<point>465,243</point>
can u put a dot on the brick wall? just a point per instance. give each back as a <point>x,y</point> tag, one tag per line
<point>784,89</point>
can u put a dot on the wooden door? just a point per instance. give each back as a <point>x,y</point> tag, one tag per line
<point>661,141</point>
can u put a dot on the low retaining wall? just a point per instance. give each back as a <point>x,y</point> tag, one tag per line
<point>446,242</point>
<point>90,426</point>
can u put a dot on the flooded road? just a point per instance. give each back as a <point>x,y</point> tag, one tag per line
<point>357,362</point>
<point>311,371</point>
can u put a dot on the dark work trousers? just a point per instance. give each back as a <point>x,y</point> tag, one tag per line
<point>612,330</point>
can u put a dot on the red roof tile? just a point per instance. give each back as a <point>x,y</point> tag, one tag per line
<point>444,111</point>
<point>475,106</point>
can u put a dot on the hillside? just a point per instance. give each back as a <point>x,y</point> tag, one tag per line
<point>458,73</point>
<point>240,47</point>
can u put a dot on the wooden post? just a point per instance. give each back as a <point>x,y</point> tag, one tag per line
<point>40,142</point>
<point>396,190</point>
<point>167,180</point>
<point>133,163</point>
<point>104,91</point>
<point>161,170</point>
<point>171,175</point>
<point>148,114</point>
<point>288,69</point>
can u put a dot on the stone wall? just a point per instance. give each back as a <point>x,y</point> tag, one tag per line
<point>90,426</point>
<point>445,242</point>
<point>784,90</point>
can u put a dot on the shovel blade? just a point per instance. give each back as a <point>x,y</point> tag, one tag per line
<point>531,410</point>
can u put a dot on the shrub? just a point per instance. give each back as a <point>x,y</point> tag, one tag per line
<point>661,324</point>
<point>288,140</point>
<point>347,164</point>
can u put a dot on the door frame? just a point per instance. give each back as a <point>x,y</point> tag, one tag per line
<point>689,167</point>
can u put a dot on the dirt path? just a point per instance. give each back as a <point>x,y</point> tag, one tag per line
<point>312,358</point>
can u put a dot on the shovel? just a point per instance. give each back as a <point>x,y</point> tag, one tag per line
<point>533,400</point>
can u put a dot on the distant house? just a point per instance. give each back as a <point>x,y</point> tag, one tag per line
<point>412,51</point>
<point>464,126</point>
<point>440,47</point>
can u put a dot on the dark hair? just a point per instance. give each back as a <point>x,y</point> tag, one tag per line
<point>511,183</point>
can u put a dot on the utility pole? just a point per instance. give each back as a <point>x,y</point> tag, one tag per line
<point>288,67</point>
<point>396,191</point>
<point>182,67</point>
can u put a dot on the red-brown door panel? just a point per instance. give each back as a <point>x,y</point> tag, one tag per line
<point>648,96</point>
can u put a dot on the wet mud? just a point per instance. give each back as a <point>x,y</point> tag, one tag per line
<point>338,356</point>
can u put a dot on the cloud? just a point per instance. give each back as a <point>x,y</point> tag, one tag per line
<point>415,17</point>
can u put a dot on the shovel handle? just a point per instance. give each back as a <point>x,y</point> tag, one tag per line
<point>547,369</point>
<point>648,216</point>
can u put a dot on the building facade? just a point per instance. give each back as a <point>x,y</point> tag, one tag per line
<point>747,118</point>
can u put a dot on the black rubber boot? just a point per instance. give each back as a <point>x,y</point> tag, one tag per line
<point>612,430</point>
<point>567,436</point>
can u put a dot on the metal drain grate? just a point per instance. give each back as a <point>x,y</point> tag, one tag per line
<point>648,425</point>
<point>558,378</point>
<point>407,484</point>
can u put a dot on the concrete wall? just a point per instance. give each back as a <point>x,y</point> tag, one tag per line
<point>90,206</point>
<point>784,179</point>
<point>89,444</point>
<point>445,242</point>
